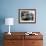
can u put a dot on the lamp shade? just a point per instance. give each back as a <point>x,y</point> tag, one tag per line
<point>9,21</point>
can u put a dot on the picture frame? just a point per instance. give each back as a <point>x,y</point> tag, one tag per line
<point>27,16</point>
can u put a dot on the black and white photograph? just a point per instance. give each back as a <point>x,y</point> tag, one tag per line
<point>27,15</point>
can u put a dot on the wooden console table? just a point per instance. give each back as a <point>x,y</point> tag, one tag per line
<point>20,39</point>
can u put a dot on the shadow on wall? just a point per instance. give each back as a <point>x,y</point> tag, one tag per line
<point>2,21</point>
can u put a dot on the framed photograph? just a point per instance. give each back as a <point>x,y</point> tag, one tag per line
<point>27,15</point>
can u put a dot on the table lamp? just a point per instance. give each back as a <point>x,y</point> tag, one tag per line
<point>9,21</point>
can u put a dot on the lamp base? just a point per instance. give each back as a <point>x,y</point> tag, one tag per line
<point>9,33</point>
